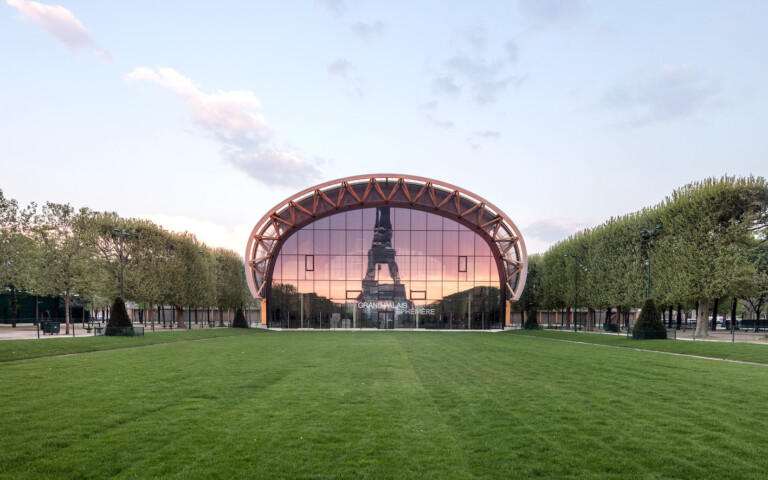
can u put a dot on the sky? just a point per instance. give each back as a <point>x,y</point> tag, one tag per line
<point>202,116</point>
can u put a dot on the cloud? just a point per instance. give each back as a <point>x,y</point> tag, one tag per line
<point>61,24</point>
<point>477,136</point>
<point>484,77</point>
<point>336,7</point>
<point>428,113</point>
<point>552,13</point>
<point>674,92</point>
<point>232,119</point>
<point>340,68</point>
<point>367,31</point>
<point>446,85</point>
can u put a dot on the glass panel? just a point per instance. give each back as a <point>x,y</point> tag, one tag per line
<point>355,242</point>
<point>369,219</point>
<point>482,269</point>
<point>322,244</point>
<point>419,267</point>
<point>450,243</point>
<point>418,220</point>
<point>434,222</point>
<point>290,267</point>
<point>338,221</point>
<point>401,240</point>
<point>404,264</point>
<point>290,246</point>
<point>418,243</point>
<point>435,242</point>
<point>323,289</point>
<point>449,224</point>
<point>277,269</point>
<point>355,268</point>
<point>306,243</point>
<point>467,242</point>
<point>306,286</point>
<point>434,267</point>
<point>322,267</point>
<point>338,290</point>
<point>338,267</point>
<point>322,224</point>
<point>402,219</point>
<point>435,289</point>
<point>481,248</point>
<point>338,242</point>
<point>354,219</point>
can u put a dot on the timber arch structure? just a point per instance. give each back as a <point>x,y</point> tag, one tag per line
<point>385,192</point>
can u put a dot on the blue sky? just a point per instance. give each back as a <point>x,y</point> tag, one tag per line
<point>203,115</point>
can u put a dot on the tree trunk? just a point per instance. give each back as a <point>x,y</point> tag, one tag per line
<point>14,306</point>
<point>180,317</point>
<point>733,313</point>
<point>568,318</point>
<point>757,317</point>
<point>702,318</point>
<point>669,320</point>
<point>714,313</point>
<point>679,316</point>
<point>66,312</point>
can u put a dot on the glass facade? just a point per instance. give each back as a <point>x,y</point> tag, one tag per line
<point>385,268</point>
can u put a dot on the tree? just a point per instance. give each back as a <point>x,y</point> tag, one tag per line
<point>18,252</point>
<point>66,252</point>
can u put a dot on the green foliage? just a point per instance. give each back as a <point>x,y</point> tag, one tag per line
<point>704,250</point>
<point>118,317</point>
<point>240,321</point>
<point>649,321</point>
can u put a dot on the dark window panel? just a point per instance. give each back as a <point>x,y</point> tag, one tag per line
<point>309,263</point>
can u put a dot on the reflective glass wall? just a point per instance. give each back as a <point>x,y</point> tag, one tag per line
<point>385,268</point>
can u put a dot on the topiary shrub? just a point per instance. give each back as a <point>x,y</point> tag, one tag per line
<point>531,320</point>
<point>649,325</point>
<point>119,322</point>
<point>240,319</point>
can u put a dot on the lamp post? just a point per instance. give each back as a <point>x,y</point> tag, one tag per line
<point>122,234</point>
<point>575,284</point>
<point>649,232</point>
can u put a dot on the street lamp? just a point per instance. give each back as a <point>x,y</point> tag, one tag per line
<point>122,234</point>
<point>575,284</point>
<point>649,232</point>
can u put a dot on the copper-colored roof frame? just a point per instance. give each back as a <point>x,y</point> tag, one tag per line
<point>393,190</point>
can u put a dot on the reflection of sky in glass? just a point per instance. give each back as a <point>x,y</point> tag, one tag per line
<point>428,251</point>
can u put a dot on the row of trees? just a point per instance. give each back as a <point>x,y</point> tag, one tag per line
<point>707,242</point>
<point>59,251</point>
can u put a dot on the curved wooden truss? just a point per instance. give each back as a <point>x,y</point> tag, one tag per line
<point>387,190</point>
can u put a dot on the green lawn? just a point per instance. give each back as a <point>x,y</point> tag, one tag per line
<point>23,349</point>
<point>747,352</point>
<point>381,405</point>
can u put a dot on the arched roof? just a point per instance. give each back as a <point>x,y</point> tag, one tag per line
<point>393,190</point>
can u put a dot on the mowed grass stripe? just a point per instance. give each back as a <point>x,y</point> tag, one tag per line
<point>11,350</point>
<point>381,405</point>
